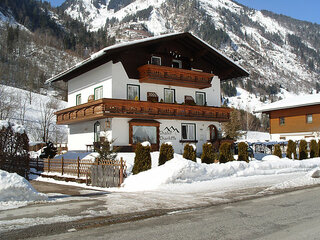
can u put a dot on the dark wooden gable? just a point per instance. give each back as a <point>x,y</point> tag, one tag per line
<point>185,47</point>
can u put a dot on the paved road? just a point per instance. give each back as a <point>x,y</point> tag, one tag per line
<point>294,215</point>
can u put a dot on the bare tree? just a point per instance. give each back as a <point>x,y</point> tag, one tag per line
<point>8,103</point>
<point>47,116</point>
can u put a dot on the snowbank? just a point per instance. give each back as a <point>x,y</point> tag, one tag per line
<point>180,170</point>
<point>15,190</point>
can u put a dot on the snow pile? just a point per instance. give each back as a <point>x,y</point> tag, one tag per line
<point>180,170</point>
<point>14,188</point>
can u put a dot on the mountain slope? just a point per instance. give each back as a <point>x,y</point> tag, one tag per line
<point>277,50</point>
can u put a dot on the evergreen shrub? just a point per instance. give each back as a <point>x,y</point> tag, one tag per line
<point>166,153</point>
<point>291,150</point>
<point>303,150</point>
<point>243,152</point>
<point>142,159</point>
<point>314,149</point>
<point>225,154</point>
<point>208,153</point>
<point>189,152</point>
<point>319,148</point>
<point>277,151</point>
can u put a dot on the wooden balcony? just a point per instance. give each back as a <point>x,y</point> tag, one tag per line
<point>107,107</point>
<point>174,76</point>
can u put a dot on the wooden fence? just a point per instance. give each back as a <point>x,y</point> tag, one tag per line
<point>87,169</point>
<point>36,163</point>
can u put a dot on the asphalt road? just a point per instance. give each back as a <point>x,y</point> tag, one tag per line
<point>294,215</point>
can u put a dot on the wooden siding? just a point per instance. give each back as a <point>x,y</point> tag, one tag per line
<point>107,107</point>
<point>174,76</point>
<point>295,120</point>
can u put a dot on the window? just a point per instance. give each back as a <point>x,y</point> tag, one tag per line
<point>98,93</point>
<point>169,95</point>
<point>78,99</point>
<point>213,133</point>
<point>133,92</point>
<point>282,121</point>
<point>176,63</point>
<point>144,133</point>
<point>156,60</point>
<point>97,132</point>
<point>309,118</point>
<point>200,98</point>
<point>188,131</point>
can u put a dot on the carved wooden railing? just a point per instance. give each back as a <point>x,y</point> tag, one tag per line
<point>174,76</point>
<point>108,107</point>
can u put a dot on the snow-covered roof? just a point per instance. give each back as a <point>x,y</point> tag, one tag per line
<point>106,50</point>
<point>292,102</point>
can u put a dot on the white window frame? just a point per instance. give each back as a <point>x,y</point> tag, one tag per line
<point>78,99</point>
<point>174,95</point>
<point>204,98</point>
<point>155,57</point>
<point>190,128</point>
<point>309,120</point>
<point>133,86</point>
<point>177,61</point>
<point>98,93</point>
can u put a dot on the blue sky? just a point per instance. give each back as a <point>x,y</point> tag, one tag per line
<point>308,10</point>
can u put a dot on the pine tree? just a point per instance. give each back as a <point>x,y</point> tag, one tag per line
<point>314,149</point>
<point>303,150</point>
<point>291,150</point>
<point>142,159</point>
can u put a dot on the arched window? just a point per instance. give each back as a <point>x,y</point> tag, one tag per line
<point>97,132</point>
<point>213,133</point>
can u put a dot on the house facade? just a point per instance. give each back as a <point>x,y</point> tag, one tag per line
<point>159,89</point>
<point>294,118</point>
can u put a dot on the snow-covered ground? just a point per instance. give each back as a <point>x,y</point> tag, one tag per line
<point>16,191</point>
<point>177,184</point>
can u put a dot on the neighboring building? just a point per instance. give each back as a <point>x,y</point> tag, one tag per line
<point>294,118</point>
<point>159,89</point>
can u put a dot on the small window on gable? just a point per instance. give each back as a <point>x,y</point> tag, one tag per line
<point>78,99</point>
<point>176,63</point>
<point>156,60</point>
<point>282,121</point>
<point>98,93</point>
<point>309,118</point>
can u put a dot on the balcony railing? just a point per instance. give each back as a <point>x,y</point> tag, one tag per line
<point>174,76</point>
<point>107,107</point>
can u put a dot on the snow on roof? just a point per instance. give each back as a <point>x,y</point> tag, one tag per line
<point>292,102</point>
<point>124,44</point>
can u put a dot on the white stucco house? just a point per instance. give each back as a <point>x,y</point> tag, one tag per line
<point>158,89</point>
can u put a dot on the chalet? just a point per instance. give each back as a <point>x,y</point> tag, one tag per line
<point>158,89</point>
<point>294,118</point>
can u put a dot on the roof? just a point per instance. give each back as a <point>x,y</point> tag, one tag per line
<point>292,102</point>
<point>237,71</point>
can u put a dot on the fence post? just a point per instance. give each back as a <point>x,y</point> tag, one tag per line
<point>121,172</point>
<point>78,164</point>
<point>48,164</point>
<point>61,165</point>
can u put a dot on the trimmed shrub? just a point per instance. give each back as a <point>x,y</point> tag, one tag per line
<point>225,154</point>
<point>291,150</point>
<point>208,153</point>
<point>319,148</point>
<point>142,159</point>
<point>166,153</point>
<point>243,152</point>
<point>277,151</point>
<point>314,149</point>
<point>303,150</point>
<point>189,152</point>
